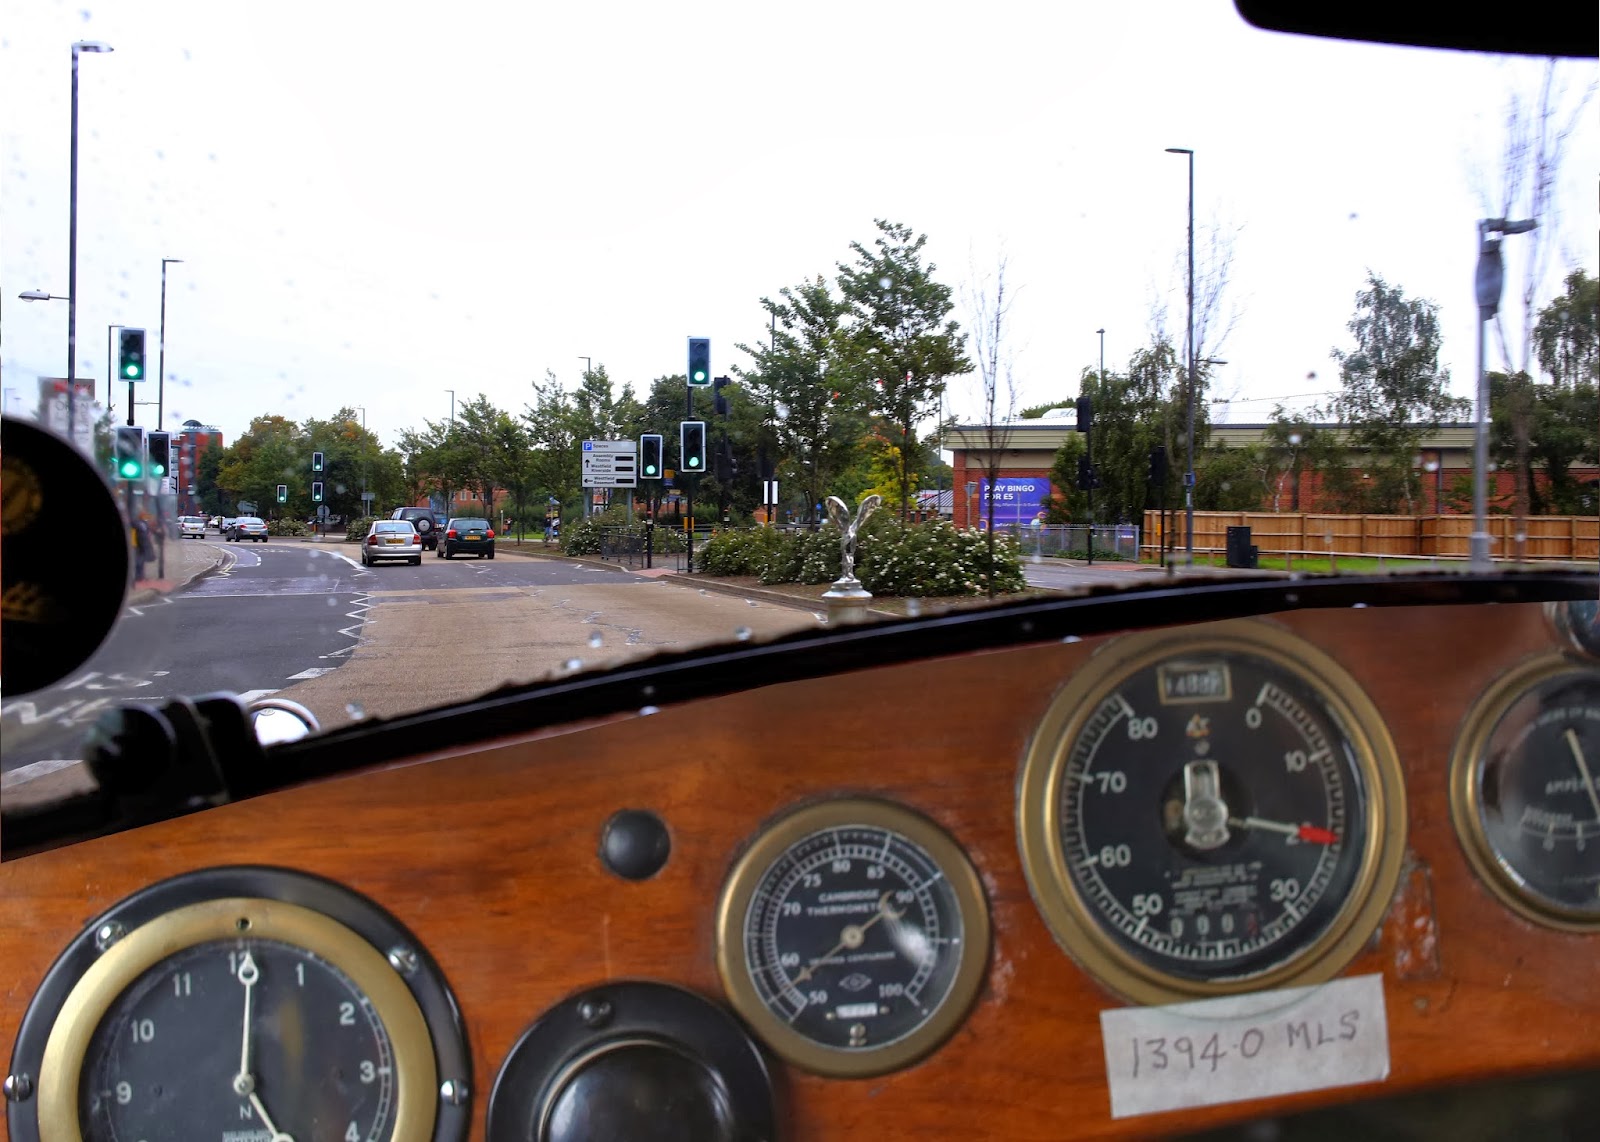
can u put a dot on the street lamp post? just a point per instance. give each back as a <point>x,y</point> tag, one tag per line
<point>364,509</point>
<point>161,350</point>
<point>1188,475</point>
<point>72,245</point>
<point>1488,281</point>
<point>451,505</point>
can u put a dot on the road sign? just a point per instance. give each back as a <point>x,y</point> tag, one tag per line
<point>322,511</point>
<point>610,463</point>
<point>368,497</point>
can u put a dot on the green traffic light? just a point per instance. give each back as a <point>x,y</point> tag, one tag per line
<point>132,370</point>
<point>649,469</point>
<point>130,469</point>
<point>694,461</point>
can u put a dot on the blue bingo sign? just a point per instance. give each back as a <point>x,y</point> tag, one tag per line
<point>1017,500</point>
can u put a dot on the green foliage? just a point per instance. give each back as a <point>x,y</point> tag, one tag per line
<point>1232,479</point>
<point>356,530</point>
<point>285,527</point>
<point>1393,391</point>
<point>901,344</point>
<point>893,558</point>
<point>1563,431</point>
<point>1567,336</point>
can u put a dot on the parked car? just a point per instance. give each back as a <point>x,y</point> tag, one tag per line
<point>191,527</point>
<point>392,539</point>
<point>223,524</point>
<point>424,521</point>
<point>247,527</point>
<point>467,536</point>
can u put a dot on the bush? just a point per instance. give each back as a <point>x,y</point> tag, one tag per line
<point>285,527</point>
<point>356,530</point>
<point>916,560</point>
<point>582,536</point>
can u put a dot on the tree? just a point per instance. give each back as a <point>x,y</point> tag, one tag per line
<point>207,492</point>
<point>1566,336</point>
<point>1296,446</point>
<point>901,338</point>
<point>818,404</point>
<point>1233,479</point>
<point>1393,391</point>
<point>998,395</point>
<point>551,423</point>
<point>270,452</point>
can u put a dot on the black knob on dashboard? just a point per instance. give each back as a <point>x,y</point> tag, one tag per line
<point>637,1061</point>
<point>641,1090</point>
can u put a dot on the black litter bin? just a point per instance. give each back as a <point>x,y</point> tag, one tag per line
<point>1241,553</point>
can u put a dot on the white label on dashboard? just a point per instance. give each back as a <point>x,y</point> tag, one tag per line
<point>1259,1045</point>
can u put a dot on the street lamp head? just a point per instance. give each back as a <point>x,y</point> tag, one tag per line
<point>34,295</point>
<point>1102,332</point>
<point>170,261</point>
<point>1179,151</point>
<point>92,46</point>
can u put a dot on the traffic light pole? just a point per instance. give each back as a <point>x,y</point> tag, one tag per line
<point>1088,440</point>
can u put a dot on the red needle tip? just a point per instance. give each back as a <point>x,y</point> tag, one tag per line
<point>1317,836</point>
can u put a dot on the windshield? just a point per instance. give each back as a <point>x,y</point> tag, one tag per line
<point>714,321</point>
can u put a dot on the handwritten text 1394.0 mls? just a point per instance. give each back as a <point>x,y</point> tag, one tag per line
<point>1245,1046</point>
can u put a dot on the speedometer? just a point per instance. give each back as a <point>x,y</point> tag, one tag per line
<point>852,936</point>
<point>1211,812</point>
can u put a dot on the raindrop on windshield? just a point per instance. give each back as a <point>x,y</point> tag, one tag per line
<point>356,710</point>
<point>572,664</point>
<point>596,638</point>
<point>646,711</point>
<point>752,602</point>
<point>705,592</point>
<point>743,634</point>
<point>913,608</point>
<point>819,617</point>
<point>1073,638</point>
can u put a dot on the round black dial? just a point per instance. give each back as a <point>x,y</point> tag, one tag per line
<point>1528,792</point>
<point>1211,816</point>
<point>860,937</point>
<point>240,1035</point>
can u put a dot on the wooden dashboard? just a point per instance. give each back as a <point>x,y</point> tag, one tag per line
<point>489,856</point>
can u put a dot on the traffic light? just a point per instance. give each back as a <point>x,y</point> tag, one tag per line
<point>699,360</point>
<point>130,354</point>
<point>316,461</point>
<point>1085,414</point>
<point>158,452</point>
<point>316,490</point>
<point>283,493</point>
<point>651,460</point>
<point>692,446</point>
<point>719,401</point>
<point>128,452</point>
<point>1158,465</point>
<point>1088,478</point>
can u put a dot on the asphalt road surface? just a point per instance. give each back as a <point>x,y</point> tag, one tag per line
<point>310,623</point>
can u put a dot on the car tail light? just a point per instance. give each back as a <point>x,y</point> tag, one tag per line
<point>451,534</point>
<point>372,540</point>
<point>490,533</point>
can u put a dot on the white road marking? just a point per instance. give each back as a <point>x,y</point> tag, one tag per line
<point>313,672</point>
<point>251,695</point>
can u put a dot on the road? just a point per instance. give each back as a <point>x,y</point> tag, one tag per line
<point>310,623</point>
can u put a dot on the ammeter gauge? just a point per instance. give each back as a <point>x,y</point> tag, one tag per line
<point>1211,811</point>
<point>852,937</point>
<point>1525,791</point>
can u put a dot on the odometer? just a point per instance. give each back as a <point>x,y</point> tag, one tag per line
<point>852,937</point>
<point>1211,813</point>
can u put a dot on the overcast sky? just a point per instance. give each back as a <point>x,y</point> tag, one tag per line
<point>376,203</point>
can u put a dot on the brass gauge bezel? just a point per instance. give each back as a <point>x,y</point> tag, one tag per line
<point>1466,771</point>
<point>752,868</point>
<point>1069,916</point>
<point>230,918</point>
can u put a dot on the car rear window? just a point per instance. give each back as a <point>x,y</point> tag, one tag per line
<point>470,524</point>
<point>248,519</point>
<point>396,525</point>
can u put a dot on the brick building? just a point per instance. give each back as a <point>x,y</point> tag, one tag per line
<point>1031,446</point>
<point>189,445</point>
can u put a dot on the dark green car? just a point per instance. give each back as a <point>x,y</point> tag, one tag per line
<point>466,536</point>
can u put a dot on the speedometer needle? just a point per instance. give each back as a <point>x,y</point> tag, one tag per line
<point>1309,833</point>
<point>1583,768</point>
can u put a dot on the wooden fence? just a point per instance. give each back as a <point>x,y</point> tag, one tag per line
<point>1401,536</point>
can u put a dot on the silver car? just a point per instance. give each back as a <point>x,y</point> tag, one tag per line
<point>191,527</point>
<point>248,527</point>
<point>391,539</point>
